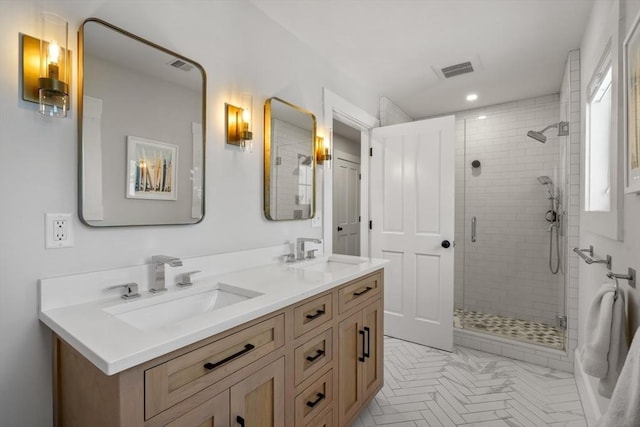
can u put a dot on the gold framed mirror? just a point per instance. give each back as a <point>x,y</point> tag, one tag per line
<point>141,131</point>
<point>289,161</point>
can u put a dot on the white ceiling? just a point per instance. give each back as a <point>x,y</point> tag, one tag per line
<point>392,45</point>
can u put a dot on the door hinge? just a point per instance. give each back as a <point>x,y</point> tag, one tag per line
<point>359,219</point>
<point>370,151</point>
<point>370,225</point>
<point>561,323</point>
<point>360,176</point>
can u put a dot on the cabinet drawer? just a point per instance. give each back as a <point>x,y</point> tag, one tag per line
<point>314,399</point>
<point>324,420</point>
<point>313,355</point>
<point>311,314</point>
<point>359,290</point>
<point>173,381</point>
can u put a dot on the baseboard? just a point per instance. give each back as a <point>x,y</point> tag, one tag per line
<point>590,404</point>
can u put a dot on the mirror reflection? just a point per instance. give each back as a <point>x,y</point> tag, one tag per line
<point>289,161</point>
<point>141,131</point>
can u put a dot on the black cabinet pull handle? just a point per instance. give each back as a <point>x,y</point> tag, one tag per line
<point>315,402</point>
<point>368,352</point>
<point>318,354</point>
<point>240,420</point>
<point>361,358</point>
<point>339,228</point>
<point>247,348</point>
<point>319,313</point>
<point>357,294</point>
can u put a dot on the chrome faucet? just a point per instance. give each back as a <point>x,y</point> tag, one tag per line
<point>158,278</point>
<point>300,255</point>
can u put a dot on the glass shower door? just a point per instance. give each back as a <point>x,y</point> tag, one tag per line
<point>508,283</point>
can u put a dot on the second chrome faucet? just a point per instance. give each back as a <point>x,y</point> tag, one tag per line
<point>158,278</point>
<point>300,241</point>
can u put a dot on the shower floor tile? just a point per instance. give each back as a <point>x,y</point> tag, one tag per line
<point>520,330</point>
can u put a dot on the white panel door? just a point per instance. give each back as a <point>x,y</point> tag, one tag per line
<point>346,207</point>
<point>412,212</point>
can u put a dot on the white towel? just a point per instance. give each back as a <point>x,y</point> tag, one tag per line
<point>618,348</point>
<point>606,345</point>
<point>624,408</point>
<point>598,332</point>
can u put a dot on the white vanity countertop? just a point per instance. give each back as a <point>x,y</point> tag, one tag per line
<point>114,345</point>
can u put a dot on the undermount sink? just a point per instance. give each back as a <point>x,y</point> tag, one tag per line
<point>159,311</point>
<point>330,264</point>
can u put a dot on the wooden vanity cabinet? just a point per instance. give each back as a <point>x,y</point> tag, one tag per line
<point>360,360</point>
<point>304,365</point>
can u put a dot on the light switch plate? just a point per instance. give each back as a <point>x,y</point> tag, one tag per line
<point>58,230</point>
<point>316,221</point>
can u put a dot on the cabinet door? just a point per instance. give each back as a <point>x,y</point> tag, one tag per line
<point>372,370</point>
<point>213,413</point>
<point>258,400</point>
<point>351,339</point>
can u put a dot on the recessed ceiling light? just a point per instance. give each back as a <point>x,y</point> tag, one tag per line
<point>482,117</point>
<point>472,97</point>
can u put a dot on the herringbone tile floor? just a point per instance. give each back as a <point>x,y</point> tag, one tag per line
<point>429,387</point>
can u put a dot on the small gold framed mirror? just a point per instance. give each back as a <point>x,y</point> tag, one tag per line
<point>289,161</point>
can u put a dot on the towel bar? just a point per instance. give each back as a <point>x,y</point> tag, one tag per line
<point>589,258</point>
<point>631,277</point>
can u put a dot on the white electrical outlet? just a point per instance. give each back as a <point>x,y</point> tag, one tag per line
<point>58,231</point>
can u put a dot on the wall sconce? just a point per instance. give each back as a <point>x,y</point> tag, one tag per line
<point>323,152</point>
<point>46,66</point>
<point>239,122</point>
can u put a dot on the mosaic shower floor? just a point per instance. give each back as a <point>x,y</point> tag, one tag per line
<point>521,330</point>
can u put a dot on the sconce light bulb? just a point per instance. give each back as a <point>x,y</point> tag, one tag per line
<point>54,52</point>
<point>246,116</point>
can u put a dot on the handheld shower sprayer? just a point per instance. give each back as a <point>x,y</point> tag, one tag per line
<point>545,180</point>
<point>554,218</point>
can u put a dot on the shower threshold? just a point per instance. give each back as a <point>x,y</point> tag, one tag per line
<point>505,327</point>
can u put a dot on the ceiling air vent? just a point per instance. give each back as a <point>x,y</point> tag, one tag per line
<point>180,64</point>
<point>456,70</point>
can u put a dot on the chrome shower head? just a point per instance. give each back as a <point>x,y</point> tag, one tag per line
<point>538,136</point>
<point>304,160</point>
<point>563,130</point>
<point>544,180</point>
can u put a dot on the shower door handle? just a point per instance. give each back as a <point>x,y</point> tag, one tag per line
<point>473,229</point>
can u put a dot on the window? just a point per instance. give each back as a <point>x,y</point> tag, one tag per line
<point>597,160</point>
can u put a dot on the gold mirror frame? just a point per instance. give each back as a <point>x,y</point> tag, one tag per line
<point>182,140</point>
<point>271,143</point>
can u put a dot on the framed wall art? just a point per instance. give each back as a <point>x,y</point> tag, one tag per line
<point>151,169</point>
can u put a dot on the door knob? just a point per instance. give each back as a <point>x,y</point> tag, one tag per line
<point>339,228</point>
<point>445,244</point>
